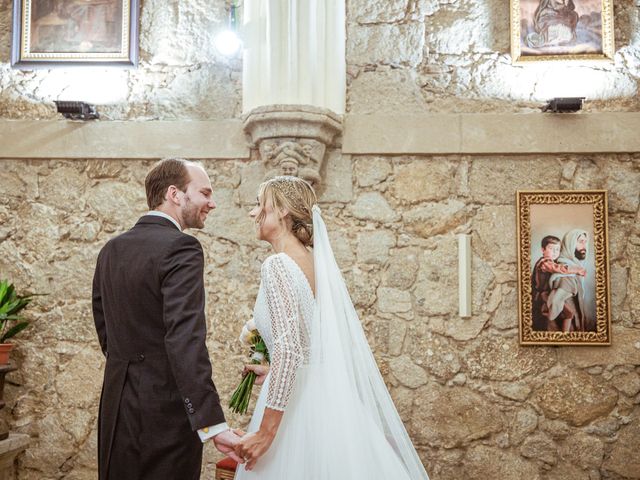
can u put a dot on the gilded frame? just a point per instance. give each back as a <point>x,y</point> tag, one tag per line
<point>63,33</point>
<point>522,53</point>
<point>565,205</point>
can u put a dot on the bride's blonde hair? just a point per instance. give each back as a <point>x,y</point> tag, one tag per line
<point>297,197</point>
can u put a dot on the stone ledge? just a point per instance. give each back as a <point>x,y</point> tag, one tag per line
<point>14,444</point>
<point>10,448</point>
<point>122,139</point>
<point>482,133</point>
<point>424,134</point>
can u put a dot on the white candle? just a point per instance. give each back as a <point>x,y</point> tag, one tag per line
<point>464,274</point>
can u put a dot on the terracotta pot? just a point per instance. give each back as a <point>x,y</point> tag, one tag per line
<point>5,348</point>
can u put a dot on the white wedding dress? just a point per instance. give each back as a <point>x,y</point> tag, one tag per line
<point>339,422</point>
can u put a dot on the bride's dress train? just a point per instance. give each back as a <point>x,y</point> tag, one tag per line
<point>339,421</point>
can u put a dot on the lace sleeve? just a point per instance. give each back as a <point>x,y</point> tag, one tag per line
<point>284,315</point>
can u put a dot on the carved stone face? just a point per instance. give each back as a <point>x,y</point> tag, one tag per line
<point>307,150</point>
<point>267,150</point>
<point>289,166</point>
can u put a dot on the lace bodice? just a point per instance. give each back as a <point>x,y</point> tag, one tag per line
<point>283,315</point>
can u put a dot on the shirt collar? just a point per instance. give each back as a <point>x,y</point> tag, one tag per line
<point>158,213</point>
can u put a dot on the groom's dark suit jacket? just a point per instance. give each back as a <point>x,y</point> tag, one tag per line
<point>148,307</point>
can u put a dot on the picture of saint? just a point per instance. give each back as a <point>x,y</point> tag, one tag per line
<point>555,27</point>
<point>557,284</point>
<point>76,26</point>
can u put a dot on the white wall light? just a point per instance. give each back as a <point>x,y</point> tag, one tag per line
<point>228,42</point>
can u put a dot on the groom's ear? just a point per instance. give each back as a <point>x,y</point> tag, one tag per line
<point>172,194</point>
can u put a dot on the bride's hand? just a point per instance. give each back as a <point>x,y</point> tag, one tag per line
<point>260,370</point>
<point>252,447</point>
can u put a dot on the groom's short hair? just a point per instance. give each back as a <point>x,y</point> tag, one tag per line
<point>167,172</point>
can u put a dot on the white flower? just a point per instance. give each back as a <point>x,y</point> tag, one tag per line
<point>257,356</point>
<point>251,325</point>
<point>245,334</point>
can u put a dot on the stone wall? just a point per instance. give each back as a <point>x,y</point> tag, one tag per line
<point>476,404</point>
<point>454,56</point>
<point>402,55</point>
<point>180,75</point>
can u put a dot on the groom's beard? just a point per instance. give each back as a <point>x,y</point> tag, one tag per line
<point>580,254</point>
<point>192,215</point>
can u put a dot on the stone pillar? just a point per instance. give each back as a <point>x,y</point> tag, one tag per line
<point>294,53</point>
<point>9,450</point>
<point>293,139</point>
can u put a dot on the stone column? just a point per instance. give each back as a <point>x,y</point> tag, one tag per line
<point>294,82</point>
<point>294,53</point>
<point>293,139</point>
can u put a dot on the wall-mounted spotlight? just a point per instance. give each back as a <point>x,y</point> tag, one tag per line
<point>564,104</point>
<point>76,110</point>
<point>228,42</point>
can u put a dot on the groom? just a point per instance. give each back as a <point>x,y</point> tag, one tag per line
<point>158,403</point>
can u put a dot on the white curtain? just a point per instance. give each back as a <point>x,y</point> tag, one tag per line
<point>294,53</point>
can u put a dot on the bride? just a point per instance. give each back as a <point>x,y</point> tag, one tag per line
<point>324,412</point>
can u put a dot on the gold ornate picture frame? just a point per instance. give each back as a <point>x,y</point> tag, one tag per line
<point>544,30</point>
<point>563,268</point>
<point>54,33</point>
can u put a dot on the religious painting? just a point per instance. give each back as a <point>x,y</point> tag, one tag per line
<point>561,30</point>
<point>563,268</point>
<point>50,33</point>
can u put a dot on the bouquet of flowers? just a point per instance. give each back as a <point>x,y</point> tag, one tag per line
<point>259,354</point>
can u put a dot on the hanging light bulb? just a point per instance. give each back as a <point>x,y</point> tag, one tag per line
<point>228,42</point>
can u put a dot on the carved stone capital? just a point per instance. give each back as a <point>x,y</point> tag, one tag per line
<point>293,139</point>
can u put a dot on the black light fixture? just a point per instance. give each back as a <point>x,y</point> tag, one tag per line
<point>564,104</point>
<point>77,110</point>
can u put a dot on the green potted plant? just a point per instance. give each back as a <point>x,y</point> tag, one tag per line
<point>11,304</point>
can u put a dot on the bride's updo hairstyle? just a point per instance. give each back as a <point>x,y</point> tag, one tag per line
<point>297,197</point>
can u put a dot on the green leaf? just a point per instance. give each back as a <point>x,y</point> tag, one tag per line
<point>17,328</point>
<point>9,307</point>
<point>4,287</point>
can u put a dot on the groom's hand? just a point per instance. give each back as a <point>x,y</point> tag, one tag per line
<point>226,442</point>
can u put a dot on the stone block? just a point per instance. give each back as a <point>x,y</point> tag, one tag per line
<point>433,219</point>
<point>373,246</point>
<point>374,207</point>
<point>624,459</point>
<point>453,416</point>
<point>423,180</point>
<point>407,373</point>
<point>503,359</point>
<point>491,462</point>
<point>391,300</point>
<point>576,397</point>
<point>385,44</point>
<point>371,171</point>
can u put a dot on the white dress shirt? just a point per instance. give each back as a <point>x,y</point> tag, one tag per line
<point>158,213</point>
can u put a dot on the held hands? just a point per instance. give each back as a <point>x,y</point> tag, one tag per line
<point>226,443</point>
<point>260,370</point>
<point>252,446</point>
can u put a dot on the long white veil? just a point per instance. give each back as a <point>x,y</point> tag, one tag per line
<point>347,385</point>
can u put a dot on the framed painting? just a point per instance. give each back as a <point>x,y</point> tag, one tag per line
<point>51,33</point>
<point>563,268</point>
<point>561,30</point>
